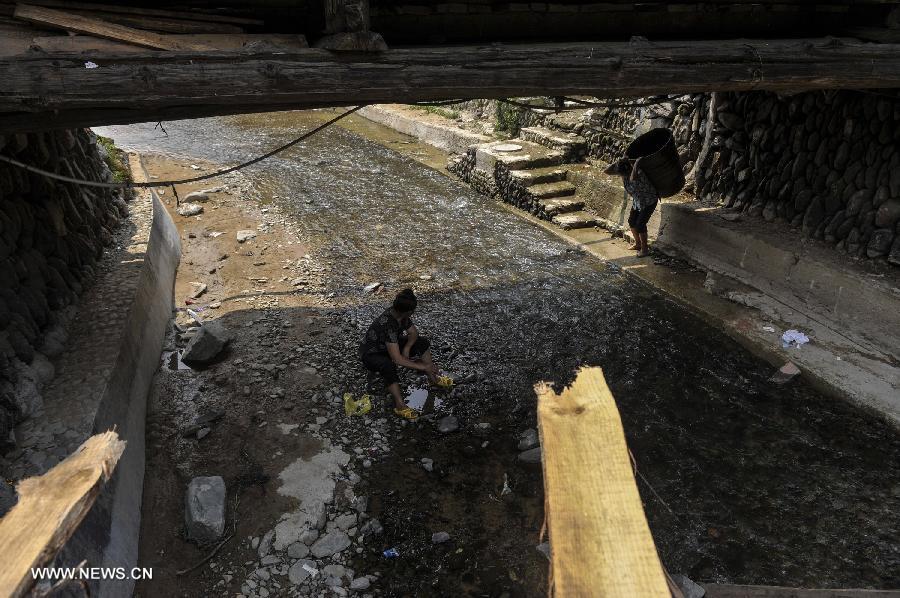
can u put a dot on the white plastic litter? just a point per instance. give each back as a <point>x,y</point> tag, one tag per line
<point>768,329</point>
<point>793,338</point>
<point>91,65</point>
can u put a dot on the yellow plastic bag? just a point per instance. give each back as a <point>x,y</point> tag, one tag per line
<point>354,407</point>
<point>445,381</point>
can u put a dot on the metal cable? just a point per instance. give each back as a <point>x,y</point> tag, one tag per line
<point>132,185</point>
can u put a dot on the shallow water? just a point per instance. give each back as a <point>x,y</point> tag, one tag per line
<point>751,483</point>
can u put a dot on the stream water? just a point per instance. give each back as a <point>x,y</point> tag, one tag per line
<point>743,481</point>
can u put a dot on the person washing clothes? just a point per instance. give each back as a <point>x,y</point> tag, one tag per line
<point>644,198</point>
<point>393,340</point>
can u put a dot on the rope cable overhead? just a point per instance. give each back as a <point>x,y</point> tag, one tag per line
<point>130,185</point>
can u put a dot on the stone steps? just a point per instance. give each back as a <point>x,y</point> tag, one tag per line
<point>560,205</point>
<point>573,146</point>
<point>580,219</point>
<point>536,176</point>
<point>528,156</point>
<point>550,190</point>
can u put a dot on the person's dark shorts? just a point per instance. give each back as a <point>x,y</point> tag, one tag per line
<point>385,366</point>
<point>638,219</point>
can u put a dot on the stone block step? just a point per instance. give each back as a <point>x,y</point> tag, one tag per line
<point>516,154</point>
<point>548,190</point>
<point>579,219</point>
<point>536,176</point>
<point>561,205</point>
<point>570,144</point>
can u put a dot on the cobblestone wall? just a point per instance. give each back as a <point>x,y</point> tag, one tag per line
<point>51,235</point>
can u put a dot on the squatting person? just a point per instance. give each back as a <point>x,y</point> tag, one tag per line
<point>392,340</point>
<point>644,199</point>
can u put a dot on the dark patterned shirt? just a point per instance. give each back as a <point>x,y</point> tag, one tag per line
<point>643,193</point>
<point>385,329</point>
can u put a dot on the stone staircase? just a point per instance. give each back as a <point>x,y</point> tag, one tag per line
<point>530,172</point>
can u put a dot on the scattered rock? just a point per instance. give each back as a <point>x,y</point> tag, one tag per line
<point>309,536</point>
<point>265,545</point>
<point>448,424</point>
<point>371,528</point>
<point>301,571</point>
<point>345,522</point>
<point>372,287</point>
<point>531,455</point>
<point>207,344</point>
<point>298,550</point>
<point>528,439</point>
<point>330,543</point>
<point>189,209</point>
<point>245,235</point>
<point>360,584</point>
<point>688,588</point>
<point>197,289</point>
<point>204,509</point>
<point>427,464</point>
<point>203,433</point>
<point>439,537</point>
<point>200,196</point>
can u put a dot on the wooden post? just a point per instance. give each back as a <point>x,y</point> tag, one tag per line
<point>347,27</point>
<point>599,537</point>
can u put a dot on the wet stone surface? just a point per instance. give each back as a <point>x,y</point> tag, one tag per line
<point>751,482</point>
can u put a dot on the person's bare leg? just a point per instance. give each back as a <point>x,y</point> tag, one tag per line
<point>394,389</point>
<point>427,360</point>
<point>636,246</point>
<point>645,246</point>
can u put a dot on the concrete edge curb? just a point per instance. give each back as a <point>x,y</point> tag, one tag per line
<point>109,535</point>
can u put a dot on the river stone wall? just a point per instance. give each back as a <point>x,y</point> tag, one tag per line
<point>51,235</point>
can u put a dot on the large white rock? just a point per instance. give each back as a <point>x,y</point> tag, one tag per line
<point>204,508</point>
<point>330,544</point>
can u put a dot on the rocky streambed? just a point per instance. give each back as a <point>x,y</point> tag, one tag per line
<point>744,481</point>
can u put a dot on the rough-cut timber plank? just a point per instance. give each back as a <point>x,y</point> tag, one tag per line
<point>189,15</point>
<point>599,538</point>
<point>89,43</point>
<point>80,24</point>
<point>50,508</point>
<point>714,590</point>
<point>149,86</point>
<point>160,24</point>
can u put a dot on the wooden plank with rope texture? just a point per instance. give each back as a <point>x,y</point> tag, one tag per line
<point>51,507</point>
<point>599,537</point>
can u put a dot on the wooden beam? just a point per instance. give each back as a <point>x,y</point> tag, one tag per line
<point>599,537</point>
<point>50,508</point>
<point>714,590</point>
<point>152,83</point>
<point>99,28</point>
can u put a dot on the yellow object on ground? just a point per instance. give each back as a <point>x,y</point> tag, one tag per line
<point>445,382</point>
<point>406,413</point>
<point>354,407</point>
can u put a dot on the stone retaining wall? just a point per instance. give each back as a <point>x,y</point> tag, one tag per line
<point>51,236</point>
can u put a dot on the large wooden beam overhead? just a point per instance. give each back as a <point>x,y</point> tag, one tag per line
<point>57,90</point>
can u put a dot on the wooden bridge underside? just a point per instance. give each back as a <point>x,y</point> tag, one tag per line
<point>65,81</point>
